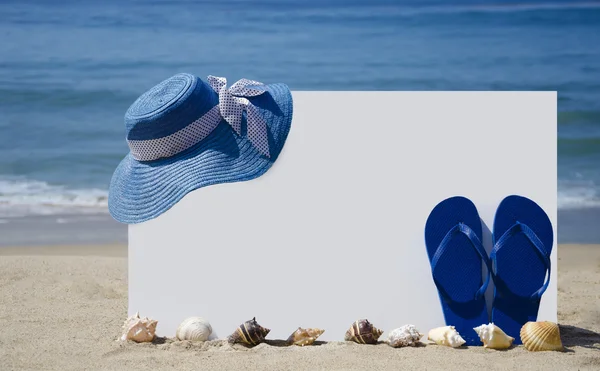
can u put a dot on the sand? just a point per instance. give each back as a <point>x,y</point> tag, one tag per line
<point>62,308</point>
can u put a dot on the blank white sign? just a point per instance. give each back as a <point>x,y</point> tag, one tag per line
<point>334,231</point>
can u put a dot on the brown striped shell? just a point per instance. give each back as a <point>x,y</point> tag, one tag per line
<point>249,333</point>
<point>541,336</point>
<point>304,336</point>
<point>363,332</point>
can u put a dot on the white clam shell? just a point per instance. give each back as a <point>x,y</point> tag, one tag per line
<point>195,329</point>
<point>407,335</point>
<point>446,335</point>
<point>493,337</point>
<point>140,330</point>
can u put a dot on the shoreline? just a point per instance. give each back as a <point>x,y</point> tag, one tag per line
<point>63,229</point>
<point>99,250</point>
<point>119,250</point>
<point>574,226</point>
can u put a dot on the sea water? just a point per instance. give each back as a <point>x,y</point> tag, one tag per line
<point>69,70</point>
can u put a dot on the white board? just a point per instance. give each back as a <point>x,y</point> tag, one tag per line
<point>334,231</point>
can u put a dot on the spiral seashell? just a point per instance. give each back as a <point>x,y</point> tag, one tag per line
<point>140,330</point>
<point>541,336</point>
<point>407,335</point>
<point>249,332</point>
<point>194,329</point>
<point>493,337</point>
<point>363,332</point>
<point>304,337</point>
<point>446,335</point>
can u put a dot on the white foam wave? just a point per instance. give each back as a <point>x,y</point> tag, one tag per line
<point>20,197</point>
<point>578,194</point>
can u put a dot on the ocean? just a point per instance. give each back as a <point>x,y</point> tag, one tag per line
<point>69,71</point>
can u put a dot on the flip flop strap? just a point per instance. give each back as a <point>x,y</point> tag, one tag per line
<point>477,245</point>
<point>536,242</point>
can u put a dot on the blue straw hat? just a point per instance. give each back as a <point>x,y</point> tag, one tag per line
<point>185,133</point>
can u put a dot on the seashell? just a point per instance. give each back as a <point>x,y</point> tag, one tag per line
<point>140,330</point>
<point>195,329</point>
<point>541,336</point>
<point>446,335</point>
<point>493,337</point>
<point>304,337</point>
<point>249,332</point>
<point>363,332</point>
<point>407,335</point>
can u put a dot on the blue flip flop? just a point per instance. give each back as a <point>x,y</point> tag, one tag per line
<point>523,238</point>
<point>453,240</point>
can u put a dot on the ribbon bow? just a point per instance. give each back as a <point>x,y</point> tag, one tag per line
<point>232,103</point>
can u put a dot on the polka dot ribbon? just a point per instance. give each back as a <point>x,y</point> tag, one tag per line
<point>232,103</point>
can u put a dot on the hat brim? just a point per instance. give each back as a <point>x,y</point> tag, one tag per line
<point>140,191</point>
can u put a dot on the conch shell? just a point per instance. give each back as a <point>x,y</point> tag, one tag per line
<point>363,332</point>
<point>140,330</point>
<point>195,329</point>
<point>446,335</point>
<point>493,337</point>
<point>540,336</point>
<point>249,332</point>
<point>304,337</point>
<point>407,335</point>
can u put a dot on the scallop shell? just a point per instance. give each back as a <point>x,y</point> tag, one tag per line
<point>195,329</point>
<point>249,332</point>
<point>140,330</point>
<point>446,335</point>
<point>407,335</point>
<point>363,332</point>
<point>304,336</point>
<point>493,337</point>
<point>541,336</point>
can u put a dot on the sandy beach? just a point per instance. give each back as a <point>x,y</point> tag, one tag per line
<point>62,308</point>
